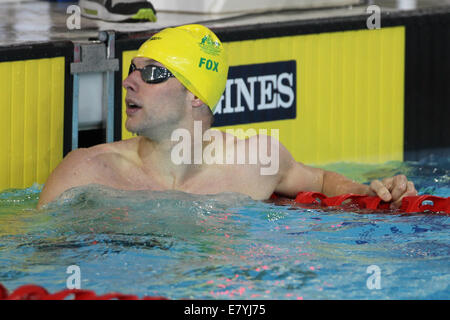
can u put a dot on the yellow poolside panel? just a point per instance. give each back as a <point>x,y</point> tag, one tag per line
<point>30,123</point>
<point>56,118</point>
<point>350,88</point>
<point>5,124</point>
<point>127,56</point>
<point>31,131</point>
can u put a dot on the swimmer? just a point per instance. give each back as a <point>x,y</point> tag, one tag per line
<point>175,80</point>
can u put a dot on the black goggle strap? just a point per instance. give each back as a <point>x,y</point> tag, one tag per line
<point>152,73</point>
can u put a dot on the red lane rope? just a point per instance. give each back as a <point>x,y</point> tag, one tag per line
<point>33,292</point>
<point>413,204</point>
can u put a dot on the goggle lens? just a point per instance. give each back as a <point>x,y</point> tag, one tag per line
<point>152,73</point>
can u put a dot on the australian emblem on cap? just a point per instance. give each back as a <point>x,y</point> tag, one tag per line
<point>209,46</point>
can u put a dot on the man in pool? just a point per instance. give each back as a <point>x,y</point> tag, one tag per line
<point>175,81</point>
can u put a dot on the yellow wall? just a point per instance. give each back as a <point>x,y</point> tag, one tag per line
<point>350,89</point>
<point>31,121</point>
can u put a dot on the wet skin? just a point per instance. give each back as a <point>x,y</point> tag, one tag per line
<point>144,162</point>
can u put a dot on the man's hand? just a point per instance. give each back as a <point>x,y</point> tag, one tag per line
<point>393,189</point>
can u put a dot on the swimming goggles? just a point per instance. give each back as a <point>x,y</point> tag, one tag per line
<point>152,73</point>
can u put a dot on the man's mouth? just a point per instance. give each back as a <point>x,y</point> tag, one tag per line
<point>132,108</point>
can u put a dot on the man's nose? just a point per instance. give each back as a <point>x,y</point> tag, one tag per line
<point>130,82</point>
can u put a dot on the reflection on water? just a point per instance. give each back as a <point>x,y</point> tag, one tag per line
<point>226,246</point>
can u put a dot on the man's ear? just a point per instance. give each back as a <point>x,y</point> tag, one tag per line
<point>196,102</point>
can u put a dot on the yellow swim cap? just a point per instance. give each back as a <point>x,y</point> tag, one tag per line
<point>196,57</point>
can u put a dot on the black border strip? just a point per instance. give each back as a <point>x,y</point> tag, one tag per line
<point>49,50</point>
<point>36,51</point>
<point>427,94</point>
<point>68,101</point>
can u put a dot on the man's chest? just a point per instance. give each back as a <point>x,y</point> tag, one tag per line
<point>209,181</point>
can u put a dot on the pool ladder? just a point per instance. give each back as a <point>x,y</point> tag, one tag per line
<point>95,57</point>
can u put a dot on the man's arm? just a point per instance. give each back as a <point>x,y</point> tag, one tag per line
<point>71,172</point>
<point>297,177</point>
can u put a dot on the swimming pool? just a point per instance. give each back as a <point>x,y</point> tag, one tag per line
<point>228,246</point>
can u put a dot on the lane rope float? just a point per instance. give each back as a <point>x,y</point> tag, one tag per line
<point>34,292</point>
<point>412,204</point>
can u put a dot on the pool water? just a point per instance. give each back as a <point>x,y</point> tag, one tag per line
<point>228,246</point>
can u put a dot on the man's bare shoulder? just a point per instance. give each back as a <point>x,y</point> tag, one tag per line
<point>125,148</point>
<point>85,161</point>
<point>84,166</point>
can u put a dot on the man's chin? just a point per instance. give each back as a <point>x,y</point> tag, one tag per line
<point>132,129</point>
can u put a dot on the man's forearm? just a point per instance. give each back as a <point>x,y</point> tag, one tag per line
<point>336,184</point>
